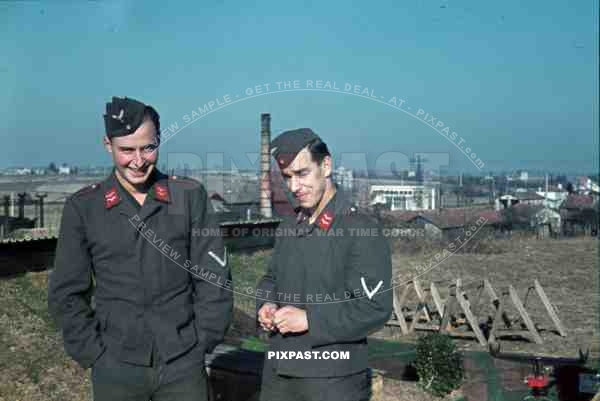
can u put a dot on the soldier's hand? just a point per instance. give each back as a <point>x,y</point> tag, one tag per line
<point>290,319</point>
<point>265,316</point>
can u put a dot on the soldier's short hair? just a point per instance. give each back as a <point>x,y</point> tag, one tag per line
<point>318,150</point>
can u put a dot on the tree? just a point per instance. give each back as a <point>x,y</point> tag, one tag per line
<point>52,168</point>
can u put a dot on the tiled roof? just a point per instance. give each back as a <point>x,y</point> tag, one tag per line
<point>401,215</point>
<point>457,217</point>
<point>528,196</point>
<point>574,201</point>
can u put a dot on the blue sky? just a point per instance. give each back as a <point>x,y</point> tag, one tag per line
<point>517,81</point>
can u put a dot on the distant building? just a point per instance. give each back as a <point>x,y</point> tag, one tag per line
<point>552,200</point>
<point>585,186</point>
<point>64,170</point>
<point>579,214</point>
<point>404,197</point>
<point>218,202</point>
<point>238,204</point>
<point>547,222</point>
<point>523,198</point>
<point>23,171</point>
<point>344,178</point>
<point>447,224</point>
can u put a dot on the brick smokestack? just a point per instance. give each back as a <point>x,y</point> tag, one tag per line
<point>265,161</point>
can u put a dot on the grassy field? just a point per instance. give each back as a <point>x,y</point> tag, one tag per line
<point>567,269</point>
<point>33,365</point>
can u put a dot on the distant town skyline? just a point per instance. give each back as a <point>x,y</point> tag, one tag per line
<point>495,87</point>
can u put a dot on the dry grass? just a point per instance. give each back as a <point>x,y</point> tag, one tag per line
<point>567,269</point>
<point>33,365</point>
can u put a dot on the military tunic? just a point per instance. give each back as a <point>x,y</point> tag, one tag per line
<point>320,268</point>
<point>136,260</point>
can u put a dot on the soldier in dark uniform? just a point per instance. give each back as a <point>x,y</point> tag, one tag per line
<point>128,241</point>
<point>314,300</point>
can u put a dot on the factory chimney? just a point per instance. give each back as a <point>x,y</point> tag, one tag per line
<point>265,161</point>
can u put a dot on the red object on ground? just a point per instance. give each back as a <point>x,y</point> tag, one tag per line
<point>538,382</point>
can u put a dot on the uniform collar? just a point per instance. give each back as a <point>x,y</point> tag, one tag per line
<point>326,218</point>
<point>160,190</point>
<point>115,193</point>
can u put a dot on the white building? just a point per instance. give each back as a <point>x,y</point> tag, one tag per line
<point>404,197</point>
<point>344,177</point>
<point>552,200</point>
<point>64,170</point>
<point>23,171</point>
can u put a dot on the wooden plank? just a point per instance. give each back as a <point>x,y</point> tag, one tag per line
<point>427,326</point>
<point>458,287</point>
<point>551,311</point>
<point>416,317</point>
<point>524,315</point>
<point>398,311</point>
<point>448,310</point>
<point>490,290</point>
<point>439,304</point>
<point>466,334</point>
<point>472,319</point>
<point>499,313</point>
<point>513,333</point>
<point>405,293</point>
<point>477,300</point>
<point>423,304</point>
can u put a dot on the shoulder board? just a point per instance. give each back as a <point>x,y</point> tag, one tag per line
<point>87,189</point>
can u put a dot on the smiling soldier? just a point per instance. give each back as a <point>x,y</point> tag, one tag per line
<point>306,336</point>
<point>124,240</point>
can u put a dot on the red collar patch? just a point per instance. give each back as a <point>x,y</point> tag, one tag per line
<point>161,193</point>
<point>325,220</point>
<point>111,198</point>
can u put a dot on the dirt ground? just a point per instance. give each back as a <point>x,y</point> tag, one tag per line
<point>567,269</point>
<point>33,366</point>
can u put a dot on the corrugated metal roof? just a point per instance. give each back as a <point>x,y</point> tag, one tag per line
<point>27,239</point>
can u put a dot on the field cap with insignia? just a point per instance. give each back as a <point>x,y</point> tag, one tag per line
<point>125,115</point>
<point>286,146</point>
